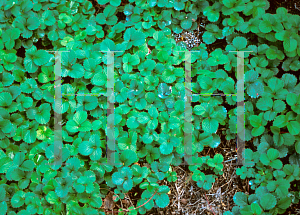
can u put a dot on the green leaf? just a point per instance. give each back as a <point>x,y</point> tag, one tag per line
<point>297,147</point>
<point>28,165</point>
<point>264,104</point>
<point>117,178</point>
<point>264,159</point>
<point>239,43</point>
<point>218,158</point>
<point>293,127</point>
<point>290,44</point>
<point>186,24</point>
<point>5,99</point>
<point>240,199</point>
<point>143,117</point>
<point>99,79</point>
<point>208,37</point>
<point>132,122</point>
<point>271,54</point>
<point>295,65</point>
<point>85,148</point>
<point>279,106</point>
<point>134,37</point>
<point>255,89</point>
<point>3,208</point>
<point>41,57</point>
<point>5,164</point>
<point>257,131</point>
<point>2,194</point>
<point>280,121</point>
<point>33,23</point>
<point>284,203</point>
<point>268,201</point>
<point>210,125</point>
<point>128,184</point>
<point>273,154</point>
<point>163,56</point>
<point>52,198</point>
<point>211,13</point>
<point>72,126</point>
<point>79,117</point>
<point>162,200</point>
<point>255,121</point>
<point>291,99</point>
<point>256,208</point>
<point>276,164</point>
<point>18,199</point>
<point>115,3</point>
<point>265,26</point>
<point>128,157</point>
<point>43,114</point>
<point>49,18</point>
<point>9,36</point>
<point>166,148</point>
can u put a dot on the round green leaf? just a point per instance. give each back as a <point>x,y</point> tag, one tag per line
<point>268,201</point>
<point>162,200</point>
<point>210,125</point>
<point>33,23</point>
<point>264,104</point>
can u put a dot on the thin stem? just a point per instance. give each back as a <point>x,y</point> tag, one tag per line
<point>209,204</point>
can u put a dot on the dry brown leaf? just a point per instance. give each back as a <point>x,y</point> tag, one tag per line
<point>109,203</point>
<point>183,201</point>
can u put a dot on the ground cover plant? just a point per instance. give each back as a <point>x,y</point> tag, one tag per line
<point>149,89</point>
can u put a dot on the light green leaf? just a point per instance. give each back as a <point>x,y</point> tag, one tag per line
<point>162,200</point>
<point>293,127</point>
<point>52,198</point>
<point>210,125</point>
<point>290,44</point>
<point>3,208</point>
<point>79,117</point>
<point>256,208</point>
<point>41,57</point>
<point>255,121</point>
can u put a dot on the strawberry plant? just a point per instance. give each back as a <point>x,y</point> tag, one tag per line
<point>148,102</point>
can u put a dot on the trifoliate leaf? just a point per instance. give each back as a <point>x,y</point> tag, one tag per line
<point>43,114</point>
<point>134,37</point>
<point>41,57</point>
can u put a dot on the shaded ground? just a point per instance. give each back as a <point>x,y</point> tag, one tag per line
<point>293,6</point>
